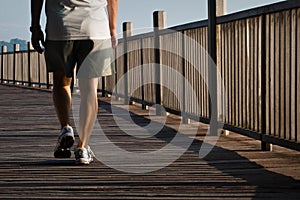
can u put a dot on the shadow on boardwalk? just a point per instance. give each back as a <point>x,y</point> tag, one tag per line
<point>235,169</point>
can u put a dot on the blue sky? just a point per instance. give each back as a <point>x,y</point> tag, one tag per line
<point>15,14</point>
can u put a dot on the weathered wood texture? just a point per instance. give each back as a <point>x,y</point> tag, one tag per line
<point>235,169</point>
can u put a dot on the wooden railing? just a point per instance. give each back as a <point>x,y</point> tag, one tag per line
<point>24,68</point>
<point>258,53</point>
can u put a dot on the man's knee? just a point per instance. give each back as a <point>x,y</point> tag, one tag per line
<point>60,80</point>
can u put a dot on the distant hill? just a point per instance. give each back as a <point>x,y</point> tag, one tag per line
<point>10,44</point>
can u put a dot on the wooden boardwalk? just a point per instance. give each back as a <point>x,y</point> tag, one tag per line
<point>235,169</point>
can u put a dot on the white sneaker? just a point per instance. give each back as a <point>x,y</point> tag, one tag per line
<point>84,155</point>
<point>65,142</point>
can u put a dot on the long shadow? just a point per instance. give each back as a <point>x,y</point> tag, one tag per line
<point>268,184</point>
<point>60,162</point>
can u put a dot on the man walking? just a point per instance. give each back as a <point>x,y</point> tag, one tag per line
<point>74,29</point>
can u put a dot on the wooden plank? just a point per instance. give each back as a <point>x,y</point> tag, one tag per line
<point>256,79</point>
<point>272,73</point>
<point>222,70</point>
<point>293,72</point>
<point>18,66</point>
<point>219,74</point>
<point>244,68</point>
<point>25,67</point>
<point>197,82</point>
<point>229,72</point>
<point>277,74</point>
<point>9,68</point>
<point>205,60</point>
<point>240,73</point>
<point>250,75</point>
<point>232,71</point>
<point>235,74</point>
<point>298,75</point>
<point>148,58</point>
<point>3,63</point>
<point>207,70</point>
<point>268,75</point>
<point>252,51</point>
<point>259,72</point>
<point>282,73</point>
<point>134,60</point>
<point>288,85</point>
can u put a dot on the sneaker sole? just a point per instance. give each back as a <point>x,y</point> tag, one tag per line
<point>62,153</point>
<point>83,161</point>
<point>63,150</point>
<point>66,142</point>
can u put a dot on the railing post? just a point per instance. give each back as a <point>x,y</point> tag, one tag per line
<point>3,51</point>
<point>159,22</point>
<point>127,32</point>
<point>185,119</point>
<point>16,49</point>
<point>144,107</point>
<point>48,80</point>
<point>264,145</point>
<point>116,76</point>
<point>103,86</point>
<point>221,7</point>
<point>212,72</point>
<point>29,62</point>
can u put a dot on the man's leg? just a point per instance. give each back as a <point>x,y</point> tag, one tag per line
<point>62,97</point>
<point>62,104</point>
<point>88,109</point>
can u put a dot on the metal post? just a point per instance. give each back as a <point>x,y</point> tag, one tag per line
<point>212,72</point>
<point>127,32</point>
<point>103,86</point>
<point>142,76</point>
<point>185,119</point>
<point>116,74</point>
<point>159,22</point>
<point>48,80</point>
<point>29,62</point>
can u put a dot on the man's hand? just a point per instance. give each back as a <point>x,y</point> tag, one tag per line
<point>114,41</point>
<point>37,38</point>
<point>37,35</point>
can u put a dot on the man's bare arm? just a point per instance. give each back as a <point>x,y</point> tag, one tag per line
<point>36,9</point>
<point>37,35</point>
<point>112,8</point>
